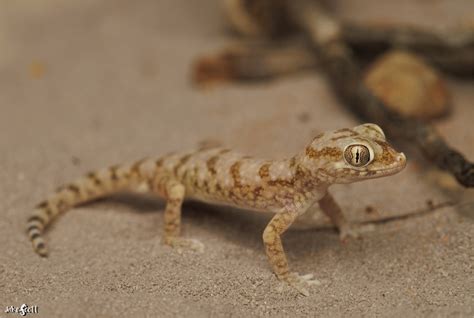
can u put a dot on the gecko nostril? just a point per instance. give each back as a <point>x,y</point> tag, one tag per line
<point>401,157</point>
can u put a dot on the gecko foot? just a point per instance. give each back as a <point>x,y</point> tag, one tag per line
<point>351,231</point>
<point>185,244</point>
<point>301,282</point>
<point>348,232</point>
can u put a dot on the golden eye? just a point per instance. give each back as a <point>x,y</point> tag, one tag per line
<point>357,155</point>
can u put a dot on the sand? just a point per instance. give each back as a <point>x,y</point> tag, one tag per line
<point>85,84</point>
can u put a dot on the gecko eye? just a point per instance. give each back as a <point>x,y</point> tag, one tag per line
<point>357,155</point>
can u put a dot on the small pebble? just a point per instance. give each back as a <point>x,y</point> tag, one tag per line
<point>408,85</point>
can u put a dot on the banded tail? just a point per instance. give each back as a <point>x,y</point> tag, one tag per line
<point>92,186</point>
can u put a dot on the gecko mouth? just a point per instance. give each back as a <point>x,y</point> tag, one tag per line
<point>392,170</point>
<point>388,171</point>
<point>371,174</point>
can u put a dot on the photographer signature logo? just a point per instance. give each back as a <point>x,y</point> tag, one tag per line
<point>23,310</point>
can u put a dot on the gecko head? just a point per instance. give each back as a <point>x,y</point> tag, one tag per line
<point>350,155</point>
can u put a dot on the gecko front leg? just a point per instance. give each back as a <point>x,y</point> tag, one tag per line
<point>330,207</point>
<point>174,192</point>
<point>276,255</point>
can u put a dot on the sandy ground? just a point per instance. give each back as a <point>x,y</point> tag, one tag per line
<point>85,84</point>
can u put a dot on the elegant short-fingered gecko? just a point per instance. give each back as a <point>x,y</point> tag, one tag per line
<point>286,187</point>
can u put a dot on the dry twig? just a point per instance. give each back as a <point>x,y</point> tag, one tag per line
<point>252,62</point>
<point>345,74</point>
<point>451,50</point>
<point>326,35</point>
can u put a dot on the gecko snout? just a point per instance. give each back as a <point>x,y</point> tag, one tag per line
<point>402,159</point>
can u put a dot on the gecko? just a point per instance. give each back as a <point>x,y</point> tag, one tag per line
<point>285,187</point>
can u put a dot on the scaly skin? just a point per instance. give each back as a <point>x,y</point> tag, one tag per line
<point>215,175</point>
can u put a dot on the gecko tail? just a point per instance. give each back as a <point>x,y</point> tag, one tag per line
<point>92,186</point>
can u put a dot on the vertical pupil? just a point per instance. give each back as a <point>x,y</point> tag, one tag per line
<point>357,156</point>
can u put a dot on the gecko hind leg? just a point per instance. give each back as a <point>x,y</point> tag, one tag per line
<point>334,212</point>
<point>276,255</point>
<point>174,194</point>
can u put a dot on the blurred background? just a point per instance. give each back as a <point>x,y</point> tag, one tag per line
<point>86,84</point>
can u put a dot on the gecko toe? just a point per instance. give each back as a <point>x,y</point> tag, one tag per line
<point>301,282</point>
<point>185,244</point>
<point>196,245</point>
<point>307,277</point>
<point>348,233</point>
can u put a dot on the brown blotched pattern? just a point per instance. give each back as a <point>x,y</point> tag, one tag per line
<point>333,152</point>
<point>387,155</point>
<point>285,187</point>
